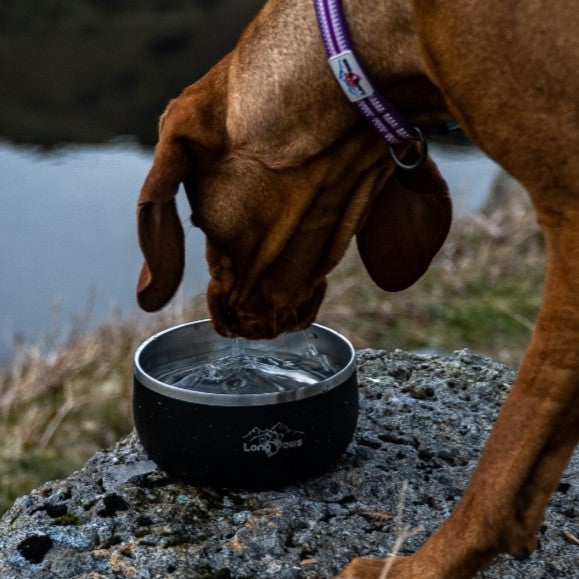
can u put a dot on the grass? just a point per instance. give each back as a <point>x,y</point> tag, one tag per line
<point>57,407</point>
<point>483,290</point>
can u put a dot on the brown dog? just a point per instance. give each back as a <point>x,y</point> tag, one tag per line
<point>281,172</point>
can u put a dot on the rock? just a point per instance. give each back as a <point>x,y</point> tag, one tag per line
<point>424,419</point>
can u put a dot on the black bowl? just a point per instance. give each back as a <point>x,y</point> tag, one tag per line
<point>244,440</point>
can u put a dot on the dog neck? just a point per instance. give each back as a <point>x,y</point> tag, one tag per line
<point>296,55</point>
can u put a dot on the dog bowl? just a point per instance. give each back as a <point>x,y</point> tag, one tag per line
<point>249,437</point>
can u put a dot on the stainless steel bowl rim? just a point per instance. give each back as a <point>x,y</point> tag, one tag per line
<point>241,400</point>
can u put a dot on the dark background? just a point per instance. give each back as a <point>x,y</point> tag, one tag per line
<point>87,71</point>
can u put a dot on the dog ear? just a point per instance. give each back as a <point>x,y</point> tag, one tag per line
<point>159,228</point>
<point>191,134</point>
<point>406,225</point>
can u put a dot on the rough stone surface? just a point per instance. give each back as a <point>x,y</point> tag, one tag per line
<point>423,419</point>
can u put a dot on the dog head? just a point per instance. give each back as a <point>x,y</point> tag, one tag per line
<point>280,189</point>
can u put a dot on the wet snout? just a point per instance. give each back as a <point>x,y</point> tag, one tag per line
<point>261,316</point>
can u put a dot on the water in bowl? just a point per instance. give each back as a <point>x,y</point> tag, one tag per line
<point>242,370</point>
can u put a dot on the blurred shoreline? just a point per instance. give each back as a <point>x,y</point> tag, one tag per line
<point>88,71</point>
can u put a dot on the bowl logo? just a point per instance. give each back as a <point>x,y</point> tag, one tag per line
<point>272,440</point>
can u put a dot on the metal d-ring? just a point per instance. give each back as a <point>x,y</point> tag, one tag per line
<point>421,158</point>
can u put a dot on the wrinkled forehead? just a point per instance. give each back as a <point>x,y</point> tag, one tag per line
<point>274,109</point>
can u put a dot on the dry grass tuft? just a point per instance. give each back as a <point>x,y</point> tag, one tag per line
<point>403,533</point>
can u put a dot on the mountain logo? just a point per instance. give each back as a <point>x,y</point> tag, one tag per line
<point>272,440</point>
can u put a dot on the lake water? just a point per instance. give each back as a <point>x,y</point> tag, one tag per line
<point>68,235</point>
<point>67,229</point>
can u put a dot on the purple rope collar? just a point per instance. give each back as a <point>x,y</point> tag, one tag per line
<point>382,114</point>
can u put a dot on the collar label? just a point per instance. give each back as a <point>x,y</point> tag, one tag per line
<point>350,76</point>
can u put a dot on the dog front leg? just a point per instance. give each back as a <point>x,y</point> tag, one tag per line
<point>529,446</point>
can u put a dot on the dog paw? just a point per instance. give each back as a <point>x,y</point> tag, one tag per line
<point>362,568</point>
<point>394,568</point>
